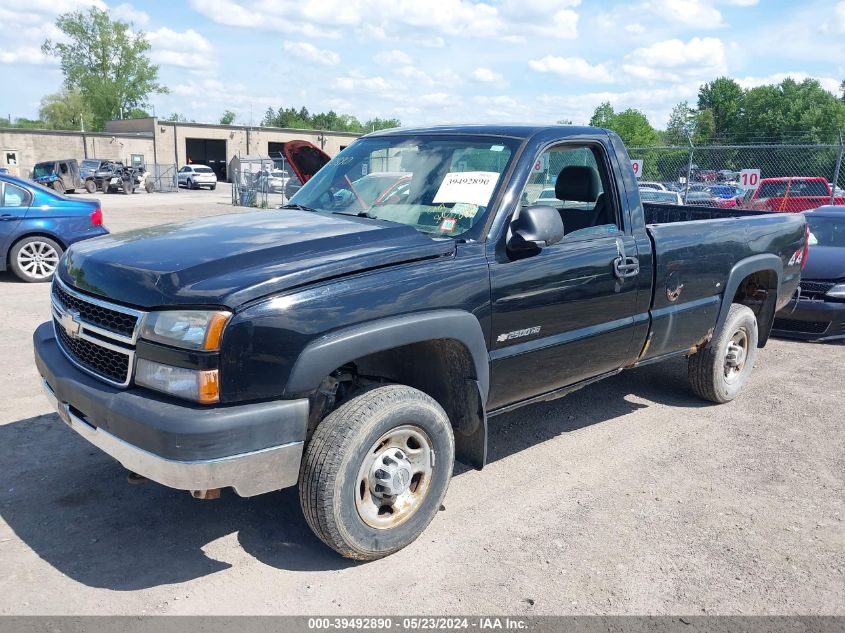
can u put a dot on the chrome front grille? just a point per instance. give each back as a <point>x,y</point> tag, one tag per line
<point>97,336</point>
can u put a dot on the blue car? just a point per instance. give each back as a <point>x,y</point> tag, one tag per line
<point>37,225</point>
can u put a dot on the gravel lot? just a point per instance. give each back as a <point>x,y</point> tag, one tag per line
<point>630,496</point>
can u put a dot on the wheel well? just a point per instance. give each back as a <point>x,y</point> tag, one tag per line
<point>759,291</point>
<point>441,368</point>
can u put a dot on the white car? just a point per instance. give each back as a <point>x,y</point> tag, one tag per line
<point>278,180</point>
<point>196,176</point>
<point>645,184</point>
<point>660,197</point>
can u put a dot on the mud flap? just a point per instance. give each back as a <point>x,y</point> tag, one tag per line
<point>471,429</point>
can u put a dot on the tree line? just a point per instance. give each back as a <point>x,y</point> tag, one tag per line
<point>727,113</point>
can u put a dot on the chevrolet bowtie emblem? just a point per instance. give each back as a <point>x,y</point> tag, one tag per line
<point>70,323</point>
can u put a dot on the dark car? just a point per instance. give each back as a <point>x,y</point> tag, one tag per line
<point>60,175</point>
<point>37,225</point>
<point>817,312</point>
<point>356,346</point>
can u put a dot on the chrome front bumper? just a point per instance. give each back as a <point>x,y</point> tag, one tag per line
<point>249,474</point>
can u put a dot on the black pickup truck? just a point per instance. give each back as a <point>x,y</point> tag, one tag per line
<point>356,341</point>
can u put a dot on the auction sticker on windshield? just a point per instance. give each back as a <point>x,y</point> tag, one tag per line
<point>472,187</point>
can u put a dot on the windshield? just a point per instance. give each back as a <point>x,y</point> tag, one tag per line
<point>826,231</point>
<point>43,169</point>
<point>440,185</point>
<point>89,164</point>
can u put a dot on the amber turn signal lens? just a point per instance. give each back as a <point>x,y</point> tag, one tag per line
<point>214,333</point>
<point>209,387</point>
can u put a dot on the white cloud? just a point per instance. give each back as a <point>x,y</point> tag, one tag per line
<point>390,58</point>
<point>571,67</point>
<point>25,55</point>
<point>511,19</point>
<point>831,84</point>
<point>699,13</point>
<point>128,13</point>
<point>487,76</point>
<point>672,60</point>
<point>310,53</point>
<point>185,49</point>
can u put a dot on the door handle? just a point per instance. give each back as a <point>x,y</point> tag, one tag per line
<point>626,267</point>
<point>7,217</point>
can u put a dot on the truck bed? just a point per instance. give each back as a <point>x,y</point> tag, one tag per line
<point>668,213</point>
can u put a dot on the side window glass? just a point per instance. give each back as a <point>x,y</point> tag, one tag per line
<point>14,196</point>
<point>63,167</point>
<point>574,180</point>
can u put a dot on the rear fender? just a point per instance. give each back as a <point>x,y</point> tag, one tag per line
<point>765,262</point>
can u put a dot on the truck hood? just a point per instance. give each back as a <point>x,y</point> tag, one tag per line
<point>232,259</point>
<point>825,263</point>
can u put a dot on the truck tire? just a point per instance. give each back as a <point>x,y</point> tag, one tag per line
<point>90,186</point>
<point>376,470</point>
<point>719,371</point>
<point>149,186</point>
<point>58,187</point>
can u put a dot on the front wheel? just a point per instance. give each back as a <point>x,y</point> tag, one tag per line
<point>90,186</point>
<point>719,371</point>
<point>190,184</point>
<point>376,470</point>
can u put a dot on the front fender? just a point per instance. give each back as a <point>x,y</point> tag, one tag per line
<point>327,353</point>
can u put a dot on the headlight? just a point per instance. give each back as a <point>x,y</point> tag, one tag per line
<point>190,329</point>
<point>837,292</point>
<point>192,384</point>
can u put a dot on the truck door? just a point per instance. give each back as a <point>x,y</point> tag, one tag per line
<point>14,202</point>
<point>568,312</point>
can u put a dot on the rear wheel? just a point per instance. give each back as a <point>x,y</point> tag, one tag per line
<point>34,259</point>
<point>213,187</point>
<point>719,371</point>
<point>376,470</point>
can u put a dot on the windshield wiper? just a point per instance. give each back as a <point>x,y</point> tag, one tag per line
<point>299,207</point>
<point>359,214</point>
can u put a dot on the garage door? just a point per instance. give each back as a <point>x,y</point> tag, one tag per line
<point>207,151</point>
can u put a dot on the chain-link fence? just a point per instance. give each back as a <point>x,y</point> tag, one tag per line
<point>164,178</point>
<point>738,171</point>
<point>261,181</point>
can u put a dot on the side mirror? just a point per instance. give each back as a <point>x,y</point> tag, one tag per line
<point>535,227</point>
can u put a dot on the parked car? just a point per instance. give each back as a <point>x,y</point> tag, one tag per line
<point>277,180</point>
<point>126,180</point>
<point>704,198</point>
<point>359,352</point>
<point>547,196</point>
<point>197,176</point>
<point>60,175</point>
<point>724,191</point>
<point>647,184</point>
<point>37,225</point>
<point>792,195</point>
<point>817,311</point>
<point>660,197</point>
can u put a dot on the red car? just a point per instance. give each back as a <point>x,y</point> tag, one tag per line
<point>792,195</point>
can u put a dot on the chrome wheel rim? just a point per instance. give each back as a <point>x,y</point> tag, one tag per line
<point>38,259</point>
<point>394,477</point>
<point>736,355</point>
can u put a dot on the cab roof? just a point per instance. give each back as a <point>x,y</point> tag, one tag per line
<point>512,130</point>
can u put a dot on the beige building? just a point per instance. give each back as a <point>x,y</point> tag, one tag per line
<point>148,141</point>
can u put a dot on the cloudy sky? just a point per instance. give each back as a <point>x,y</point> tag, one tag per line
<point>431,61</point>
